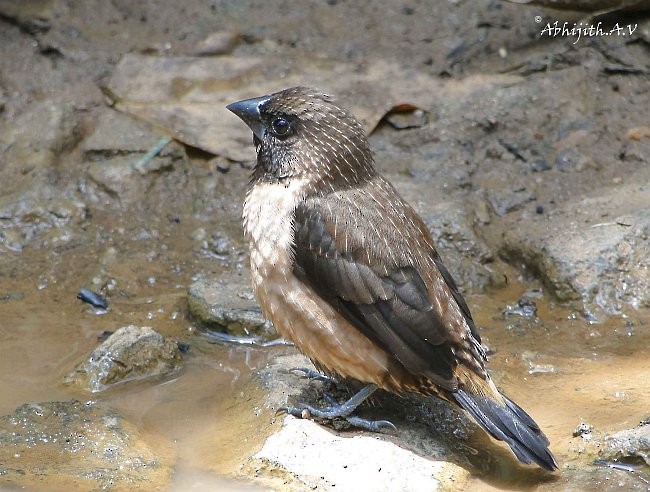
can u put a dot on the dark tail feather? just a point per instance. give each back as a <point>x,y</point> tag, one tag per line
<point>509,424</point>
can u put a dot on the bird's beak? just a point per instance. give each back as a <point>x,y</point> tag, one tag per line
<point>249,111</point>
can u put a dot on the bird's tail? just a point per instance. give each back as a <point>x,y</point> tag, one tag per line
<point>506,421</point>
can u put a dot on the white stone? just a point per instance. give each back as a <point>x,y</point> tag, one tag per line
<point>307,453</point>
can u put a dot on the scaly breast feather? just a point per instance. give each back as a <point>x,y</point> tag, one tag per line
<point>295,309</point>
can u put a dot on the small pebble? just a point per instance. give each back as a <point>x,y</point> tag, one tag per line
<point>583,429</point>
<point>183,347</point>
<point>92,298</point>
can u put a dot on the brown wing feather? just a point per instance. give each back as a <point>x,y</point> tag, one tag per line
<point>382,293</point>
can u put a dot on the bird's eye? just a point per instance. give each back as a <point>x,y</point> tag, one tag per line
<point>280,127</point>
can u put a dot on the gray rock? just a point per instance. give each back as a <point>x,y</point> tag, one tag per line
<point>525,307</point>
<point>35,211</point>
<point>57,127</point>
<point>118,178</point>
<point>117,133</point>
<point>595,249</point>
<point>122,179</point>
<point>30,147</point>
<point>228,305</point>
<point>124,156</point>
<point>131,353</point>
<point>570,160</point>
<point>306,456</point>
<point>422,455</point>
<point>591,6</point>
<point>504,201</point>
<point>628,446</point>
<point>72,445</point>
<point>217,43</point>
<point>583,429</point>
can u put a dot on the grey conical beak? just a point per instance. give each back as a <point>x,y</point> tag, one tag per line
<point>249,111</point>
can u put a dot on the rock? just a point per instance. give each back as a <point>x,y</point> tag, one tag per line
<point>124,157</point>
<point>638,133</point>
<point>506,200</point>
<point>594,249</point>
<point>30,146</point>
<point>131,353</point>
<point>423,454</point>
<point>628,446</point>
<point>539,165</point>
<point>228,305</point>
<point>117,133</point>
<point>33,18</point>
<point>220,243</point>
<point>32,210</point>
<point>570,160</point>
<point>584,430</point>
<point>57,127</point>
<point>117,177</point>
<point>592,6</point>
<point>71,445</point>
<point>217,43</point>
<point>120,178</point>
<point>306,456</point>
<point>525,307</point>
<point>411,118</point>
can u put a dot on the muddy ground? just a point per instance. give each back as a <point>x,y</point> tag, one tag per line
<point>526,154</point>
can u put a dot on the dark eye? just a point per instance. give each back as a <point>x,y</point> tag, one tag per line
<point>280,127</point>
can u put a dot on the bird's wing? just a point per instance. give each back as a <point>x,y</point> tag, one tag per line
<point>374,275</point>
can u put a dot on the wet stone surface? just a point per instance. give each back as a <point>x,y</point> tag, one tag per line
<point>435,440</point>
<point>228,306</point>
<point>131,353</point>
<point>87,445</point>
<point>630,446</point>
<point>596,251</point>
<point>307,456</point>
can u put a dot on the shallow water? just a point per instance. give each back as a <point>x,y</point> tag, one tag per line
<point>565,372</point>
<point>563,369</point>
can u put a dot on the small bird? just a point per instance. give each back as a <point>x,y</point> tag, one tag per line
<point>347,270</point>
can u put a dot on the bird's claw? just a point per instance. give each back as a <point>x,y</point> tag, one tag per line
<point>314,375</point>
<point>340,410</point>
<point>371,425</point>
<point>300,412</point>
<point>331,413</point>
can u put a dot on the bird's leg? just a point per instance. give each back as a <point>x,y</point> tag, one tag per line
<point>342,410</point>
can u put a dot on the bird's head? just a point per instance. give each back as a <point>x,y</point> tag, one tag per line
<point>302,133</point>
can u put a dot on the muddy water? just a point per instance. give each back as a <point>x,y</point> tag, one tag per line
<point>565,371</point>
<point>562,369</point>
<point>207,411</point>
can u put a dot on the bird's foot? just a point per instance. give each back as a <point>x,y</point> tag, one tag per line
<point>315,375</point>
<point>371,425</point>
<point>341,410</point>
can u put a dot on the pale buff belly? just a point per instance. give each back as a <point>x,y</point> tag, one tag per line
<point>296,311</point>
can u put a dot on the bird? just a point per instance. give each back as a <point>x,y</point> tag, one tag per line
<point>346,269</point>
